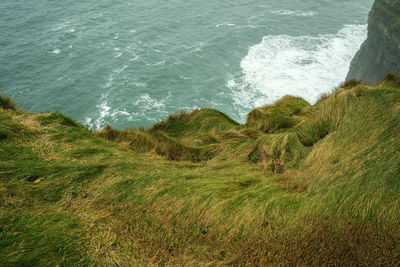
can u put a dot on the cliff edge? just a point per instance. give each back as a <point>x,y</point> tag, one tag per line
<point>298,184</point>
<point>380,53</point>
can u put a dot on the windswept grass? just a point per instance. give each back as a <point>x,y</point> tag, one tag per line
<point>197,122</point>
<point>285,113</point>
<point>7,103</point>
<point>27,239</point>
<point>180,137</point>
<point>296,185</point>
<point>349,84</point>
<point>56,117</point>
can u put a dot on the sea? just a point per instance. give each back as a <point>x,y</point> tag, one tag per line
<point>131,63</point>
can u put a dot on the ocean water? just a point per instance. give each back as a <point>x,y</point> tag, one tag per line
<point>130,63</point>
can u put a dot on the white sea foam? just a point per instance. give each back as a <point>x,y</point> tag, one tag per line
<point>107,113</point>
<point>228,24</point>
<point>62,26</point>
<point>135,57</point>
<point>123,113</point>
<point>303,66</point>
<point>138,84</point>
<point>146,102</point>
<point>56,51</point>
<point>198,47</point>
<point>104,111</point>
<point>184,77</point>
<point>297,13</point>
<point>88,122</point>
<point>162,62</point>
<point>131,50</point>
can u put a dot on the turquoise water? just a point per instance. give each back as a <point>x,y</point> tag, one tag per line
<point>130,63</point>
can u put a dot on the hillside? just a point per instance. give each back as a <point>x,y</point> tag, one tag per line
<point>297,184</point>
<point>380,53</point>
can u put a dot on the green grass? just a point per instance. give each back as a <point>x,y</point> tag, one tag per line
<point>8,128</point>
<point>27,239</point>
<point>6,103</point>
<point>296,185</point>
<point>283,114</point>
<point>56,117</point>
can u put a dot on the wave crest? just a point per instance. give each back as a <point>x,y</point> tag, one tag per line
<point>304,66</point>
<point>297,13</point>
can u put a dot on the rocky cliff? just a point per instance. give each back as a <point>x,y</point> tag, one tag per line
<point>380,53</point>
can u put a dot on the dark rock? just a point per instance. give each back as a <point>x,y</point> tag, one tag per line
<point>380,53</point>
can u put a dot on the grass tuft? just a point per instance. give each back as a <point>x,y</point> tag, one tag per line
<point>279,152</point>
<point>283,114</point>
<point>349,84</point>
<point>392,79</point>
<point>7,103</point>
<point>56,117</point>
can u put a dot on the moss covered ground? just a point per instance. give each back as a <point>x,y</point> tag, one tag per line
<point>297,184</point>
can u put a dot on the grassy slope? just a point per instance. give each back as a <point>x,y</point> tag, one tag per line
<point>196,189</point>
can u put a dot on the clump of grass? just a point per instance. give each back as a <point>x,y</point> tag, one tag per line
<point>281,115</point>
<point>9,128</point>
<point>210,121</point>
<point>209,139</point>
<point>346,85</point>
<point>392,79</point>
<point>180,116</point>
<point>5,133</point>
<point>173,138</point>
<point>172,149</point>
<point>109,133</point>
<point>56,117</point>
<point>7,103</point>
<point>349,84</point>
<point>325,116</point>
<point>197,122</point>
<point>313,130</point>
<point>253,156</point>
<point>233,134</point>
<point>279,152</point>
<point>141,142</point>
<point>391,76</point>
<point>137,140</point>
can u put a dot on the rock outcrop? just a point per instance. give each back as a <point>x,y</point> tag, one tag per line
<point>380,53</point>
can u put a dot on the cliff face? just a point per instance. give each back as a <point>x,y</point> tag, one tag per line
<point>380,53</point>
